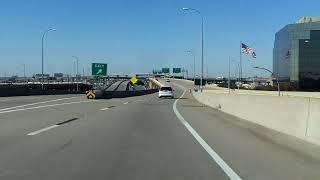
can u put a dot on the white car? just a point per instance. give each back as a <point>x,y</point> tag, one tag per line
<point>166,91</point>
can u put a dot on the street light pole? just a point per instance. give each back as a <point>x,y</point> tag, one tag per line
<point>229,76</point>
<point>277,77</point>
<point>43,36</point>
<point>197,11</point>
<point>77,60</point>
<point>77,71</point>
<point>24,71</point>
<point>74,69</point>
<point>194,65</point>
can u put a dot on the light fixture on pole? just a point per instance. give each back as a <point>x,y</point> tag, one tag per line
<point>197,11</point>
<point>77,71</point>
<point>194,65</point>
<point>277,76</point>
<point>43,36</point>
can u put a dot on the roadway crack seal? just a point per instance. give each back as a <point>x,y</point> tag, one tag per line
<point>67,121</point>
<point>51,127</point>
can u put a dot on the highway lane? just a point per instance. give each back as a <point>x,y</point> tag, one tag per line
<point>253,151</point>
<point>6,102</point>
<point>138,138</point>
<point>142,138</point>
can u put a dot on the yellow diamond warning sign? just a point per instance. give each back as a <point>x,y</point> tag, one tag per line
<point>134,80</point>
<point>91,95</point>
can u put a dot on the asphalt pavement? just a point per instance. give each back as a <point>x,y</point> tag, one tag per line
<point>144,137</point>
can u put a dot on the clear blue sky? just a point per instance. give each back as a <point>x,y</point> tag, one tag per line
<point>136,36</point>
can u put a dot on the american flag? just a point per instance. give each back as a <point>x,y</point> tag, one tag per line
<point>247,50</point>
<point>288,54</point>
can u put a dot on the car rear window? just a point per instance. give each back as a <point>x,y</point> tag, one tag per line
<point>166,89</point>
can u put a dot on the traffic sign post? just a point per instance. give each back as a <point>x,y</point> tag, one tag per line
<point>166,70</point>
<point>176,70</point>
<point>134,80</point>
<point>99,69</point>
<point>91,95</point>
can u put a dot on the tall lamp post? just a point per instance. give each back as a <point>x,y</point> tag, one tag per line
<point>277,77</point>
<point>197,11</point>
<point>77,71</point>
<point>43,36</point>
<point>194,65</point>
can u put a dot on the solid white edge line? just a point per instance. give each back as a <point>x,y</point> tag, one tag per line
<point>14,107</point>
<point>224,166</point>
<point>42,130</point>
<point>38,107</point>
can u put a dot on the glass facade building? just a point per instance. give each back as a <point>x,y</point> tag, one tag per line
<point>296,54</point>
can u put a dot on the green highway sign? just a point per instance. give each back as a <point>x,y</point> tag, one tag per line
<point>165,70</point>
<point>176,70</point>
<point>157,71</point>
<point>99,69</point>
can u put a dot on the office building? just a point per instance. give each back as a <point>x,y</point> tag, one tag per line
<point>296,53</point>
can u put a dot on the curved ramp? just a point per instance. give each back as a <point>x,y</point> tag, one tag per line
<point>114,86</point>
<point>123,86</point>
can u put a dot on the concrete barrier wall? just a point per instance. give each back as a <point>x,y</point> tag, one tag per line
<point>154,84</point>
<point>35,89</point>
<point>123,94</point>
<point>313,122</point>
<point>295,116</point>
<point>32,92</point>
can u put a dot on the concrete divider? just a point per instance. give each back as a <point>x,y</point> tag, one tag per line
<point>33,92</point>
<point>154,84</point>
<point>295,116</point>
<point>313,121</point>
<point>122,94</point>
<point>36,89</point>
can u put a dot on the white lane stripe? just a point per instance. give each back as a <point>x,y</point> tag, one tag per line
<point>224,166</point>
<point>15,107</point>
<point>38,107</point>
<point>42,130</point>
<point>104,109</point>
<point>125,102</point>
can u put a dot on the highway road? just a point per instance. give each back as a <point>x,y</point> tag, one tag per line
<point>114,86</point>
<point>71,137</point>
<point>123,86</point>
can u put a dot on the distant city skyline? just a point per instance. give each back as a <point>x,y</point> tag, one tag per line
<point>139,36</point>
